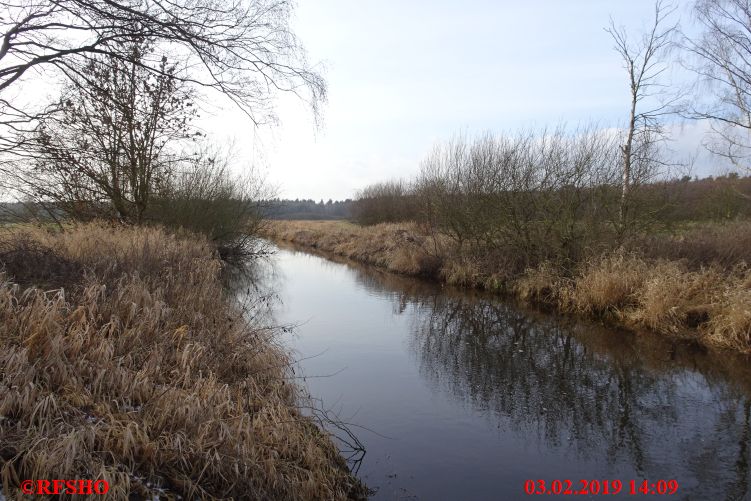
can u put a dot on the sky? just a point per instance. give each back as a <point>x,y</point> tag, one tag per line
<point>404,75</point>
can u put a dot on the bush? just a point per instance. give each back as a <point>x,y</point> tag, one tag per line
<point>31,263</point>
<point>537,196</point>
<point>208,199</point>
<point>386,202</point>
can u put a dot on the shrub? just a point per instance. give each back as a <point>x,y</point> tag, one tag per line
<point>386,202</point>
<point>31,263</point>
<point>208,199</point>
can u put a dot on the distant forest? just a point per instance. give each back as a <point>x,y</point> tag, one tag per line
<point>270,209</point>
<point>307,209</point>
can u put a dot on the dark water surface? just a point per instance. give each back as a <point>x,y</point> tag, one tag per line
<point>468,396</point>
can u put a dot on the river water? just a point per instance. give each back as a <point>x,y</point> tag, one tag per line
<point>458,395</point>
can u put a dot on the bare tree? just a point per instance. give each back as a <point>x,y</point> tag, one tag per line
<point>241,48</point>
<point>722,60</point>
<point>644,62</point>
<point>111,141</point>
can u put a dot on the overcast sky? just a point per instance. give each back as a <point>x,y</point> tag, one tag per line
<point>403,75</point>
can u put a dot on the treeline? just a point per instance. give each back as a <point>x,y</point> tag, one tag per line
<point>711,199</point>
<point>546,197</point>
<point>306,209</point>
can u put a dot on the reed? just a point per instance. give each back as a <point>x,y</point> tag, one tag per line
<point>133,366</point>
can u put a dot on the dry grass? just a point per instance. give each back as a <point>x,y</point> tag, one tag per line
<point>673,299</point>
<point>398,247</point>
<point>730,323</point>
<point>711,304</point>
<point>696,285</point>
<point>608,284</point>
<point>543,284</point>
<point>142,373</point>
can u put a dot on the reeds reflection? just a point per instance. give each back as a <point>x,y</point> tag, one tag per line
<point>636,403</point>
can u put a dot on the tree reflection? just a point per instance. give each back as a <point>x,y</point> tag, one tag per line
<point>644,405</point>
<point>667,409</point>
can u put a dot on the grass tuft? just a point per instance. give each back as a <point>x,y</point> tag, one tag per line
<point>144,374</point>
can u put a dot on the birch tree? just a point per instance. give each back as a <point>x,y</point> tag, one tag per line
<point>644,61</point>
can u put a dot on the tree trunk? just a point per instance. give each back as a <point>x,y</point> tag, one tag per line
<point>626,149</point>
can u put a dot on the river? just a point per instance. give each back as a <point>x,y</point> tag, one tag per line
<point>460,395</point>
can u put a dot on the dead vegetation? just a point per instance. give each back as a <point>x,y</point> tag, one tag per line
<point>400,247</point>
<point>138,370</point>
<point>698,288</point>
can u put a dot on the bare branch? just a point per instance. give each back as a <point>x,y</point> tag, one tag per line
<point>243,49</point>
<point>722,62</point>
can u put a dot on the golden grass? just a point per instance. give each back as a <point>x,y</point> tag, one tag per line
<point>672,298</point>
<point>400,248</point>
<point>142,373</point>
<point>678,296</point>
<point>542,284</point>
<point>606,284</point>
<point>730,324</point>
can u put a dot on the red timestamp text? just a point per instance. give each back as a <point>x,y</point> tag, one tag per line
<point>566,487</point>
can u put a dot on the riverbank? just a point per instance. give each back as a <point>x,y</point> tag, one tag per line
<point>692,286</point>
<point>124,360</point>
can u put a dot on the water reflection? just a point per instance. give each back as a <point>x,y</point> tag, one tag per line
<point>632,403</point>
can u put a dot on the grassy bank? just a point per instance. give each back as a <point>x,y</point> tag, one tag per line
<point>122,359</point>
<point>695,285</point>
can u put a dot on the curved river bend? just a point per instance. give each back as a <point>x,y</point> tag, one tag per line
<point>458,395</point>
